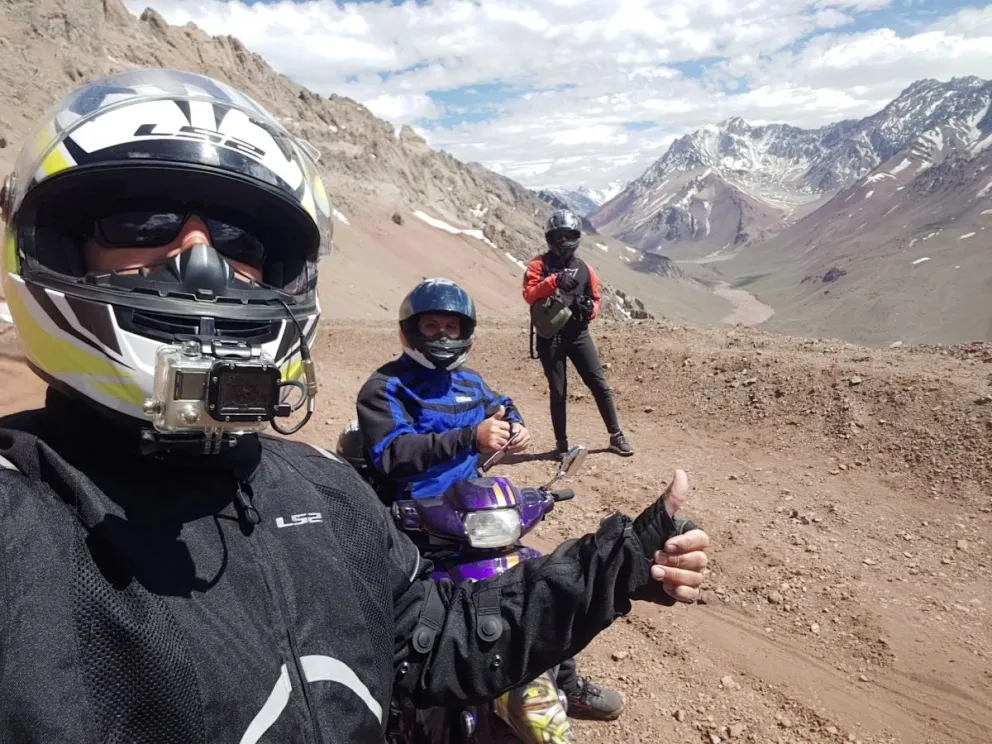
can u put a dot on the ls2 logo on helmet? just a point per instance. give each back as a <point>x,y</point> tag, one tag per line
<point>298,519</point>
<point>196,134</point>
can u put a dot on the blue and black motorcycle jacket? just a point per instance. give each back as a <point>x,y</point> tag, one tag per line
<point>418,425</point>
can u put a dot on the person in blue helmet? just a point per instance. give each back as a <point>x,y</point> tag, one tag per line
<point>426,419</point>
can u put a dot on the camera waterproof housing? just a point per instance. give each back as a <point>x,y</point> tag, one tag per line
<point>214,388</point>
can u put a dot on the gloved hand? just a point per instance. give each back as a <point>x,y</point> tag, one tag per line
<point>676,547</point>
<point>583,307</point>
<point>566,281</point>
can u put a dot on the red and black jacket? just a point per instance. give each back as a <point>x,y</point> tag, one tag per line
<point>541,280</point>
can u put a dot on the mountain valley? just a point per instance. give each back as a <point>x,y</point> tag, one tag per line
<point>889,211</point>
<point>846,489</point>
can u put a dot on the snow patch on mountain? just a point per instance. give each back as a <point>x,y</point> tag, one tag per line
<point>906,162</point>
<point>442,225</point>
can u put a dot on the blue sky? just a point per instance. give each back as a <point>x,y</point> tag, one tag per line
<point>582,92</point>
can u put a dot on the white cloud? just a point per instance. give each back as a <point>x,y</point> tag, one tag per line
<point>402,108</point>
<point>599,134</point>
<point>621,60</point>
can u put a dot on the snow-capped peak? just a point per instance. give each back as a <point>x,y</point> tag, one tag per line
<point>775,169</point>
<point>583,199</point>
<point>603,195</point>
<point>795,165</point>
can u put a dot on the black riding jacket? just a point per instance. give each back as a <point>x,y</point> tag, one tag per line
<point>264,595</point>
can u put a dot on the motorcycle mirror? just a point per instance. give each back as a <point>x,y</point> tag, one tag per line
<point>495,458</point>
<point>572,460</point>
<point>570,463</point>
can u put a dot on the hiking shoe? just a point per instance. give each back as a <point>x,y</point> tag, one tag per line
<point>562,448</point>
<point>619,445</point>
<point>593,703</point>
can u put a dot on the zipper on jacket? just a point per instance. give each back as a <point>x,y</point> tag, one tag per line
<point>279,599</point>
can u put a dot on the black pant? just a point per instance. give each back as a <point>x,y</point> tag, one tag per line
<point>567,676</point>
<point>575,343</point>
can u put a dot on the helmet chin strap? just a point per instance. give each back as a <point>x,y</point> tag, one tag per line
<point>423,361</point>
<point>418,357</point>
<point>563,254</point>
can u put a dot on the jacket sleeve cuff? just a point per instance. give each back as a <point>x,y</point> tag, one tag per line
<point>466,439</point>
<point>620,527</point>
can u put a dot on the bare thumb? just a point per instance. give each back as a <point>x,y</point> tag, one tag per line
<point>676,493</point>
<point>500,413</point>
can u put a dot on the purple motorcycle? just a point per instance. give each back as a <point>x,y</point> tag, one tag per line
<point>472,531</point>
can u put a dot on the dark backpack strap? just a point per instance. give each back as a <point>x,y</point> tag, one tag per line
<point>531,346</point>
<point>544,266</point>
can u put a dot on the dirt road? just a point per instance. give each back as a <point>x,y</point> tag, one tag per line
<point>841,603</point>
<point>848,493</point>
<point>748,309</point>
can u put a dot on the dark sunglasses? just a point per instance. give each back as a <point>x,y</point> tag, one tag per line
<point>564,236</point>
<point>148,228</point>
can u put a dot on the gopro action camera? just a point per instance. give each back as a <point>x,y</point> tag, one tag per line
<point>216,388</point>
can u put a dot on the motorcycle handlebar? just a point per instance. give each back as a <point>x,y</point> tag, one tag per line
<point>563,494</point>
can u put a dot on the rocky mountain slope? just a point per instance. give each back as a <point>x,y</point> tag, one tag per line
<point>693,213</point>
<point>734,184</point>
<point>53,46</point>
<point>603,195</point>
<point>655,263</point>
<point>900,256</point>
<point>371,171</point>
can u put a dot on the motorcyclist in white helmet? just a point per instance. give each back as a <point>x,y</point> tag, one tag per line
<point>170,572</point>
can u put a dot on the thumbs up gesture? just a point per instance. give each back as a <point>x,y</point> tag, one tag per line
<point>676,548</point>
<point>493,433</point>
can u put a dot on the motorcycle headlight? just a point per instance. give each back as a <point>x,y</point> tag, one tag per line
<point>493,528</point>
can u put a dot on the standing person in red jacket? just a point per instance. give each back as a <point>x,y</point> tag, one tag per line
<point>577,286</point>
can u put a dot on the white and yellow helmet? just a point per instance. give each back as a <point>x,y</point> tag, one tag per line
<point>145,137</point>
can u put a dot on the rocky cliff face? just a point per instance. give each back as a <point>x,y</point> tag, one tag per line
<point>370,168</point>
